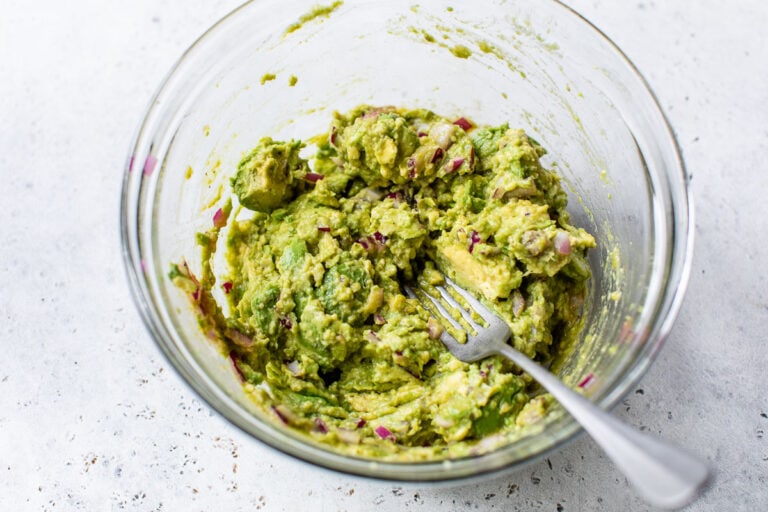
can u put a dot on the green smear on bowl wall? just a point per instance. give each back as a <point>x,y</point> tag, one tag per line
<point>461,51</point>
<point>317,12</point>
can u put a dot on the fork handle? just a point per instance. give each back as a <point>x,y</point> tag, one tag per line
<point>666,475</point>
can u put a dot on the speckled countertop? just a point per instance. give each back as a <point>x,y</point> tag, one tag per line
<point>93,418</point>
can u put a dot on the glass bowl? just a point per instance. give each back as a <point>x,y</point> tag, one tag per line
<point>280,67</point>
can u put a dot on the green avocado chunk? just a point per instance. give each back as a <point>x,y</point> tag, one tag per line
<point>345,290</point>
<point>266,176</point>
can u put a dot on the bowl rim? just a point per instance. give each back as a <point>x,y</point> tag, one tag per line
<point>678,270</point>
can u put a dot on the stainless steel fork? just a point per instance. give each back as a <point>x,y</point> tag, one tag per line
<point>664,474</point>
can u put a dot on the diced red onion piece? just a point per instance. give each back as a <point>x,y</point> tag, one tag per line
<point>372,337</point>
<point>422,134</point>
<point>348,436</point>
<point>463,123</point>
<point>370,194</point>
<point>381,239</point>
<point>324,229</point>
<point>483,375</point>
<point>443,422</point>
<point>562,243</point>
<point>285,322</point>
<point>442,134</point>
<point>313,177</point>
<point>239,338</point>
<point>474,238</point>
<point>456,163</point>
<point>233,358</point>
<point>378,319</point>
<point>397,197</point>
<point>625,334</point>
<point>364,243</point>
<point>227,286</point>
<point>586,381</point>
<point>518,303</point>
<point>282,416</point>
<point>384,433</point>
<point>411,164</point>
<point>293,366</point>
<point>149,164</point>
<point>196,294</point>
<point>577,301</point>
<point>320,426</point>
<point>489,443</point>
<point>333,136</point>
<point>437,156</point>
<point>434,329</point>
<point>361,423</point>
<point>219,220</point>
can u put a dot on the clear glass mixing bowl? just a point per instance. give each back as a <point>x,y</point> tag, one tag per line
<point>535,64</point>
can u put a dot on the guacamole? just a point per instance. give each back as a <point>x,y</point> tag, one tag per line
<point>310,306</point>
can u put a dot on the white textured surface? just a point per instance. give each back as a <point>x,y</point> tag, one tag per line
<point>92,417</point>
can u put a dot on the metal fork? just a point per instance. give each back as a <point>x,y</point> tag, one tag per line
<point>664,474</point>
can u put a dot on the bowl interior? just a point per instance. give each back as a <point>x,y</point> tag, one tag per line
<point>535,65</point>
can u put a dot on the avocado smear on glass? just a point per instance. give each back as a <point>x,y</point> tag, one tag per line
<point>310,308</point>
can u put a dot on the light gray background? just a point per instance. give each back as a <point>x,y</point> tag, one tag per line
<point>92,417</point>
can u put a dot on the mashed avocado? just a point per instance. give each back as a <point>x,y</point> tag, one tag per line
<point>313,315</point>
